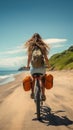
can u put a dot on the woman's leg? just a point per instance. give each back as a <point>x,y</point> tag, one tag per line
<point>33,83</point>
<point>43,88</point>
<point>32,88</point>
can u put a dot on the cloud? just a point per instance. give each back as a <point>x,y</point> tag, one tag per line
<point>13,62</point>
<point>54,40</point>
<point>17,61</point>
<point>13,51</point>
<point>16,50</point>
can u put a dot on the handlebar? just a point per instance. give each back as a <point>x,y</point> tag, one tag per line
<point>28,68</point>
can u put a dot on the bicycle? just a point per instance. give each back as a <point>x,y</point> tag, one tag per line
<point>38,94</point>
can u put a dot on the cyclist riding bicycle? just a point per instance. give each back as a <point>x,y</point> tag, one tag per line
<point>37,57</point>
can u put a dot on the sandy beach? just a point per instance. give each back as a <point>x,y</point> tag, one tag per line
<point>17,109</point>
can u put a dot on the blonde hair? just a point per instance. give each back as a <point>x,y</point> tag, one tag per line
<point>38,42</point>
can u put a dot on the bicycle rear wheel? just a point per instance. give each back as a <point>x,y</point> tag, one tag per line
<point>38,105</point>
<point>38,100</point>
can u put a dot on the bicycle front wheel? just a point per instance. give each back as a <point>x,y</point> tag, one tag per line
<point>37,99</point>
<point>38,104</point>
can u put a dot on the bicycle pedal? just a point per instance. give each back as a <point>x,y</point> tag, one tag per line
<point>41,103</point>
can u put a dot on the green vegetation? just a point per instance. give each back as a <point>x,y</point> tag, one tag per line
<point>62,60</point>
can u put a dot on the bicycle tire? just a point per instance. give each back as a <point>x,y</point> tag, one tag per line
<point>38,100</point>
<point>38,105</point>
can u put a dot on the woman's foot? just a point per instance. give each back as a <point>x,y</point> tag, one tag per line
<point>43,97</point>
<point>32,95</point>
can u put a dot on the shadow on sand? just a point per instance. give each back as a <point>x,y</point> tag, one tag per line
<point>52,118</point>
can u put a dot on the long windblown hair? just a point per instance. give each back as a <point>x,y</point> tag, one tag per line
<point>37,40</point>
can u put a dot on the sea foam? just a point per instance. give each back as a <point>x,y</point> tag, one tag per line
<point>6,79</point>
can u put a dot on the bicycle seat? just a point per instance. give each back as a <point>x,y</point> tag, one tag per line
<point>37,74</point>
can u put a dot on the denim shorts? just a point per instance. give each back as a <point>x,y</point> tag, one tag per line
<point>41,70</point>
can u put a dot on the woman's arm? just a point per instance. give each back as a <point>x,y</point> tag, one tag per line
<point>47,60</point>
<point>29,59</point>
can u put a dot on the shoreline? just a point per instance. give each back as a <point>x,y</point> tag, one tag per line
<point>18,78</point>
<point>4,79</point>
<point>14,76</point>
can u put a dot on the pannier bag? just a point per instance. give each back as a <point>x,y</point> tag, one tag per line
<point>27,83</point>
<point>48,81</point>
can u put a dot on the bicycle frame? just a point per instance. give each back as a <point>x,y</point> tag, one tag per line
<point>37,94</point>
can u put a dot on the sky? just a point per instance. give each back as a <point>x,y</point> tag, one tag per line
<point>20,19</point>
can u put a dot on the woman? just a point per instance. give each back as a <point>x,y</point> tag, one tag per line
<point>36,40</point>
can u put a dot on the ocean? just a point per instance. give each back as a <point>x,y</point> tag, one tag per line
<point>7,76</point>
